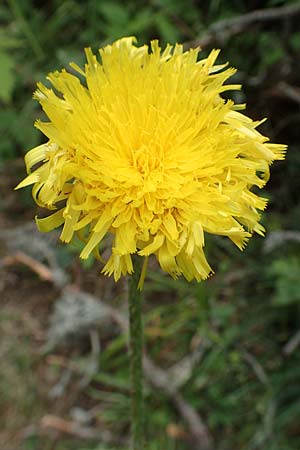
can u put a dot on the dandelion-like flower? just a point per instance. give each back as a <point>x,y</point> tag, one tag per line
<point>143,146</point>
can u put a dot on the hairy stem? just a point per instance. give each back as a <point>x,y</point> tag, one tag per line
<point>136,355</point>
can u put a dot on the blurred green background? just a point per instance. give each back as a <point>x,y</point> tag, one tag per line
<point>230,345</point>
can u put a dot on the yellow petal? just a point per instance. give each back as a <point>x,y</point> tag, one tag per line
<point>35,155</point>
<point>154,246</point>
<point>30,179</point>
<point>49,223</point>
<point>70,222</point>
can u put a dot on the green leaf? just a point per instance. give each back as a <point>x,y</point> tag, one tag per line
<point>295,41</point>
<point>7,76</point>
<point>167,29</point>
<point>114,13</point>
<point>287,281</point>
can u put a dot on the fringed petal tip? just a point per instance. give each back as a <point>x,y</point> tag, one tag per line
<point>280,151</point>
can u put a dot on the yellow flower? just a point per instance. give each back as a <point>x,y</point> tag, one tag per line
<point>143,147</point>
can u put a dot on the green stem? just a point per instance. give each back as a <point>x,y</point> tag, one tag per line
<point>136,355</point>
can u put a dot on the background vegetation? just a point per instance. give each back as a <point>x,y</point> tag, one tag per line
<point>224,362</point>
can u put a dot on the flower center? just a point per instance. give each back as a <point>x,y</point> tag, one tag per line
<point>144,160</point>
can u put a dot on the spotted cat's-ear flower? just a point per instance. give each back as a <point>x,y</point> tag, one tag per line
<point>142,146</point>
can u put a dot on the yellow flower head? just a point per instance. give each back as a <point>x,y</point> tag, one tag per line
<point>144,147</point>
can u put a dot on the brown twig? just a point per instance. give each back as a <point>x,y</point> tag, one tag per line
<point>256,366</point>
<point>158,378</point>
<point>292,344</point>
<point>75,429</point>
<point>37,267</point>
<point>290,92</point>
<point>222,30</point>
<point>276,239</point>
<point>201,438</point>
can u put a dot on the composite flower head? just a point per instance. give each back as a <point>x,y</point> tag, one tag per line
<point>143,147</point>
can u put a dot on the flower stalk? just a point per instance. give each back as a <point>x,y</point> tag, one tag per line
<point>136,355</point>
